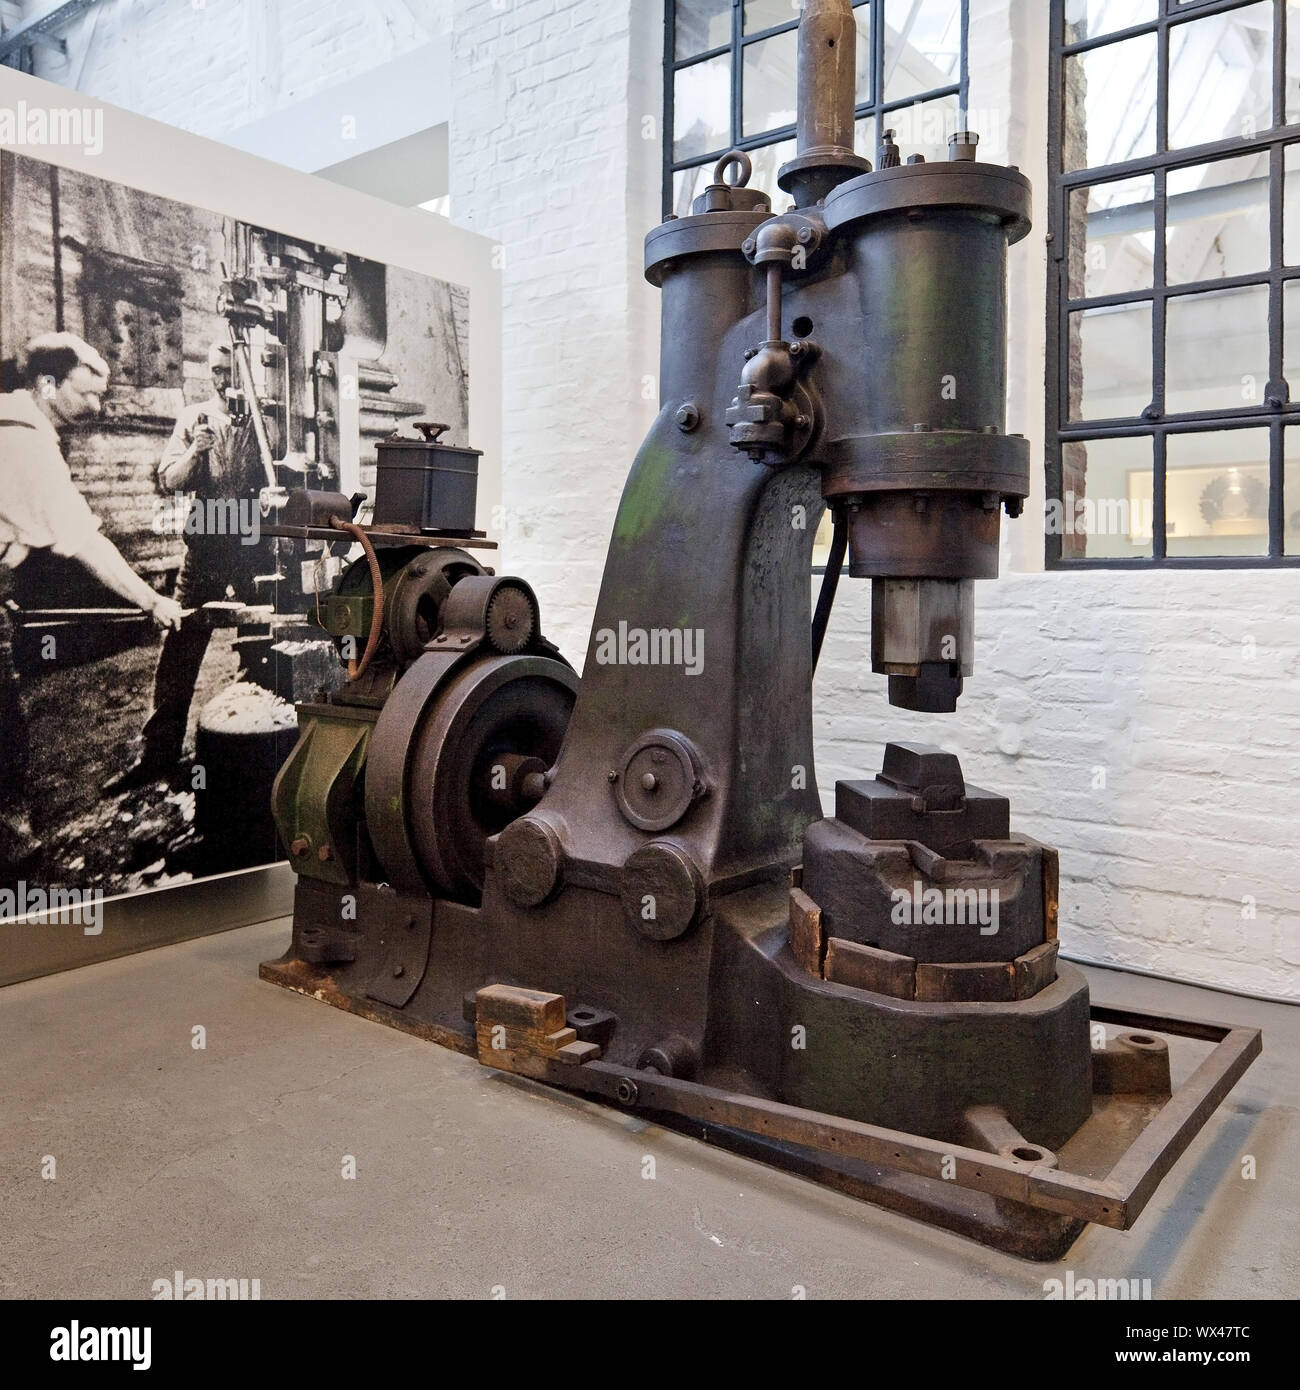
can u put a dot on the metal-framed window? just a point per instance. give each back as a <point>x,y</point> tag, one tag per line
<point>1173,331</point>
<point>729,81</point>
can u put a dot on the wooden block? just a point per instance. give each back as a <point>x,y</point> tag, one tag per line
<point>578,1052</point>
<point>807,940</point>
<point>1051,892</point>
<point>868,967</point>
<point>1036,969</point>
<point>965,982</point>
<point>530,1010</point>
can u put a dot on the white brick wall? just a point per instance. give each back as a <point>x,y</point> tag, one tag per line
<point>548,158</point>
<point>212,66</point>
<point>1148,677</point>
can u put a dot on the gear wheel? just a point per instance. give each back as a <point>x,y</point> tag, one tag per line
<point>511,620</point>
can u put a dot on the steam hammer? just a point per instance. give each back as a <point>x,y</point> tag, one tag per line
<point>627,887</point>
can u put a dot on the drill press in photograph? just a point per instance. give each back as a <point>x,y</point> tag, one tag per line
<point>624,885</point>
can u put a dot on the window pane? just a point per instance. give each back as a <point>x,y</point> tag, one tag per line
<point>1221,76</point>
<point>767,164</point>
<point>770,69</point>
<point>922,46</point>
<point>1216,493</point>
<point>1110,362</point>
<point>1112,237</point>
<point>865,70</point>
<point>1292,114</point>
<point>1107,509</point>
<point>1089,19</point>
<point>702,108</point>
<point>1217,221</point>
<point>1291,493</point>
<point>1291,335</point>
<point>1216,353</point>
<point>923,128</point>
<point>702,25</point>
<point>1291,205</point>
<point>688,184</point>
<point>1110,104</point>
<point>767,14</point>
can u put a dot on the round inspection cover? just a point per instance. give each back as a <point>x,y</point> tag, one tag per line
<point>659,781</point>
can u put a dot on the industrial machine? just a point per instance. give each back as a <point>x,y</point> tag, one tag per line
<point>626,887</point>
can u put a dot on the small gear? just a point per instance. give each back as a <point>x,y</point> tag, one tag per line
<point>511,620</point>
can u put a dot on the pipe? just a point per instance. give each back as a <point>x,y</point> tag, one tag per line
<point>245,364</point>
<point>357,669</point>
<point>830,583</point>
<point>828,75</point>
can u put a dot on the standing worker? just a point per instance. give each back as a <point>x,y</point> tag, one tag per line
<point>41,509</point>
<point>214,459</point>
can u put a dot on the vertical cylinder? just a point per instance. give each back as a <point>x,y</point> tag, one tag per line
<point>828,56</point>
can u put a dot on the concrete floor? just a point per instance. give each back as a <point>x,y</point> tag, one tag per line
<point>227,1162</point>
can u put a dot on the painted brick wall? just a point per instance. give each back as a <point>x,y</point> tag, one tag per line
<point>554,153</point>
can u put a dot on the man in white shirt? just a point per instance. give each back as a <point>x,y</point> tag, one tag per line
<point>40,508</point>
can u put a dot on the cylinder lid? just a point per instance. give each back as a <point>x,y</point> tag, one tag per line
<point>961,184</point>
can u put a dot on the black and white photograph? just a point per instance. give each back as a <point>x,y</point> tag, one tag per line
<point>166,368</point>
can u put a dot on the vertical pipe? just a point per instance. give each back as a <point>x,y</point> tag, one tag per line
<point>828,57</point>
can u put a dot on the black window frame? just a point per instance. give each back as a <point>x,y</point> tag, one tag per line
<point>736,45</point>
<point>1159,426</point>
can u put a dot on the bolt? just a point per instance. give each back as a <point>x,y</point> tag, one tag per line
<point>399,971</point>
<point>611,776</point>
<point>420,571</point>
<point>688,418</point>
<point>801,422</point>
<point>805,235</point>
<point>750,354</point>
<point>796,349</point>
<point>649,782</point>
<point>628,1091</point>
<point>749,247</point>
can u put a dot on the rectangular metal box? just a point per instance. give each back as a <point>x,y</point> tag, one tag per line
<point>426,484</point>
